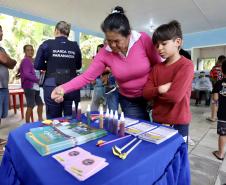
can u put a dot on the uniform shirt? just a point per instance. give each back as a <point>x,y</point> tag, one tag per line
<point>49,50</point>
<point>172,107</point>
<point>4,74</point>
<point>220,88</point>
<point>130,71</point>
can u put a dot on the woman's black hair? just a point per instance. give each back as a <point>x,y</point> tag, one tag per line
<point>99,46</point>
<point>223,67</point>
<point>25,46</point>
<point>169,31</point>
<point>117,21</point>
<point>220,59</point>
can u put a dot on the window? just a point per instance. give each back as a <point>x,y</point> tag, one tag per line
<point>16,33</point>
<point>206,64</point>
<point>88,46</point>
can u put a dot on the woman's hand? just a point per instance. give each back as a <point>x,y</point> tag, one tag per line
<point>164,88</point>
<point>58,94</point>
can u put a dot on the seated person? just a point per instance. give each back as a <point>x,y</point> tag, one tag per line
<point>203,85</point>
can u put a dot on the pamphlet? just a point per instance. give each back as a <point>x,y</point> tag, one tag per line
<point>139,128</point>
<point>80,163</point>
<point>158,135</point>
<point>70,155</point>
<point>130,121</point>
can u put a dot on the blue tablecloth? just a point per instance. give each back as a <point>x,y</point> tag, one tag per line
<point>166,163</point>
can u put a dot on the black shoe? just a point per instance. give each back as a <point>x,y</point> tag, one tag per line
<point>109,90</point>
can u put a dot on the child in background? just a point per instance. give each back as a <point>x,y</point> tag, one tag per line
<point>219,97</point>
<point>111,90</point>
<point>215,75</point>
<point>98,91</point>
<point>170,82</point>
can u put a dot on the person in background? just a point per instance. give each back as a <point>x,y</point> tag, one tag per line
<point>203,85</point>
<point>215,75</point>
<point>185,53</point>
<point>169,84</point>
<point>219,97</point>
<point>111,90</point>
<point>5,63</point>
<point>216,72</point>
<point>60,58</point>
<point>29,82</point>
<point>130,56</point>
<point>98,91</point>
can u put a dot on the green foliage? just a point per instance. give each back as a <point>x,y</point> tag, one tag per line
<point>18,32</point>
<point>208,63</point>
<point>85,63</point>
<point>88,46</point>
<point>22,32</point>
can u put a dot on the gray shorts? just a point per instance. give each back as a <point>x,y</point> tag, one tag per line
<point>221,128</point>
<point>4,102</point>
<point>32,97</point>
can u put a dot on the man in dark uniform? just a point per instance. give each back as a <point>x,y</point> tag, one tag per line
<point>60,58</point>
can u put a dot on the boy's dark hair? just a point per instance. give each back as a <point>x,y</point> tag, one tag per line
<point>223,67</point>
<point>117,21</point>
<point>220,59</point>
<point>169,31</point>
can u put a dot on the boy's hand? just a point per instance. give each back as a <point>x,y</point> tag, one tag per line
<point>164,88</point>
<point>58,94</point>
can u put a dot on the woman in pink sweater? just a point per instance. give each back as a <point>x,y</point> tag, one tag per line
<point>129,54</point>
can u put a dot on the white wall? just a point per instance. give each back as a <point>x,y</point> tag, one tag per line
<point>195,54</point>
<point>212,52</point>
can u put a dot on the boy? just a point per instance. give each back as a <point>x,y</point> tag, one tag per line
<point>170,82</point>
<point>219,96</point>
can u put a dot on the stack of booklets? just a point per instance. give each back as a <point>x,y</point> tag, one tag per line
<point>158,135</point>
<point>50,139</point>
<point>82,132</point>
<point>80,163</point>
<point>139,128</point>
<point>47,140</point>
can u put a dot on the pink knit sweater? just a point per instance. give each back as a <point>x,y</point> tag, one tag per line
<point>131,72</point>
